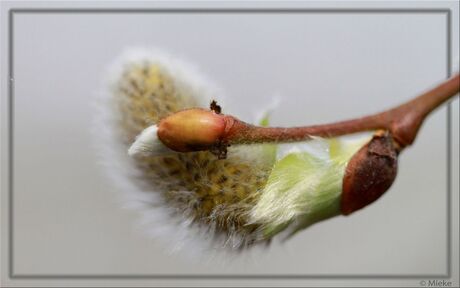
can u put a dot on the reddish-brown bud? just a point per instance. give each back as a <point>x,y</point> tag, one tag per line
<point>369,174</point>
<point>192,130</point>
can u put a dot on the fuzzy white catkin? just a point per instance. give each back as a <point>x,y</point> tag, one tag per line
<point>133,177</point>
<point>157,219</point>
<point>193,200</point>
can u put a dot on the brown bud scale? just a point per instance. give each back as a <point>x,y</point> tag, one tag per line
<point>370,173</point>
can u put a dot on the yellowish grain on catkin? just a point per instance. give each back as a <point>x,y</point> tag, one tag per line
<point>217,194</point>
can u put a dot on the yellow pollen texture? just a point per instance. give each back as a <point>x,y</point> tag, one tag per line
<point>213,193</point>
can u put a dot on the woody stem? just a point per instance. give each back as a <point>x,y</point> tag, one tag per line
<point>403,121</point>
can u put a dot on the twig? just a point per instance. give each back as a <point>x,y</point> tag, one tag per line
<point>403,121</point>
<point>199,129</point>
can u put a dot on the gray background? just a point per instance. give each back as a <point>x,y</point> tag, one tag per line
<point>323,67</point>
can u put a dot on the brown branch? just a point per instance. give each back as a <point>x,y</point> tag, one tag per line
<point>199,129</point>
<point>403,121</point>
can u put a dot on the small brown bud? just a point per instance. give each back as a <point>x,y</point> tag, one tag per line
<point>370,173</point>
<point>192,130</point>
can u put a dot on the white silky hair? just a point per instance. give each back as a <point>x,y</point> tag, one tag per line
<point>148,144</point>
<point>278,207</point>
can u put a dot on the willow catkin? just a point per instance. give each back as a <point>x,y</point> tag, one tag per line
<point>213,194</point>
<point>257,192</point>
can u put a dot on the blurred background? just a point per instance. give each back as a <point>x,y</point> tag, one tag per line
<point>322,66</point>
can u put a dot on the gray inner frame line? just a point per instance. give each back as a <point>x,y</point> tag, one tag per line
<point>12,12</point>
